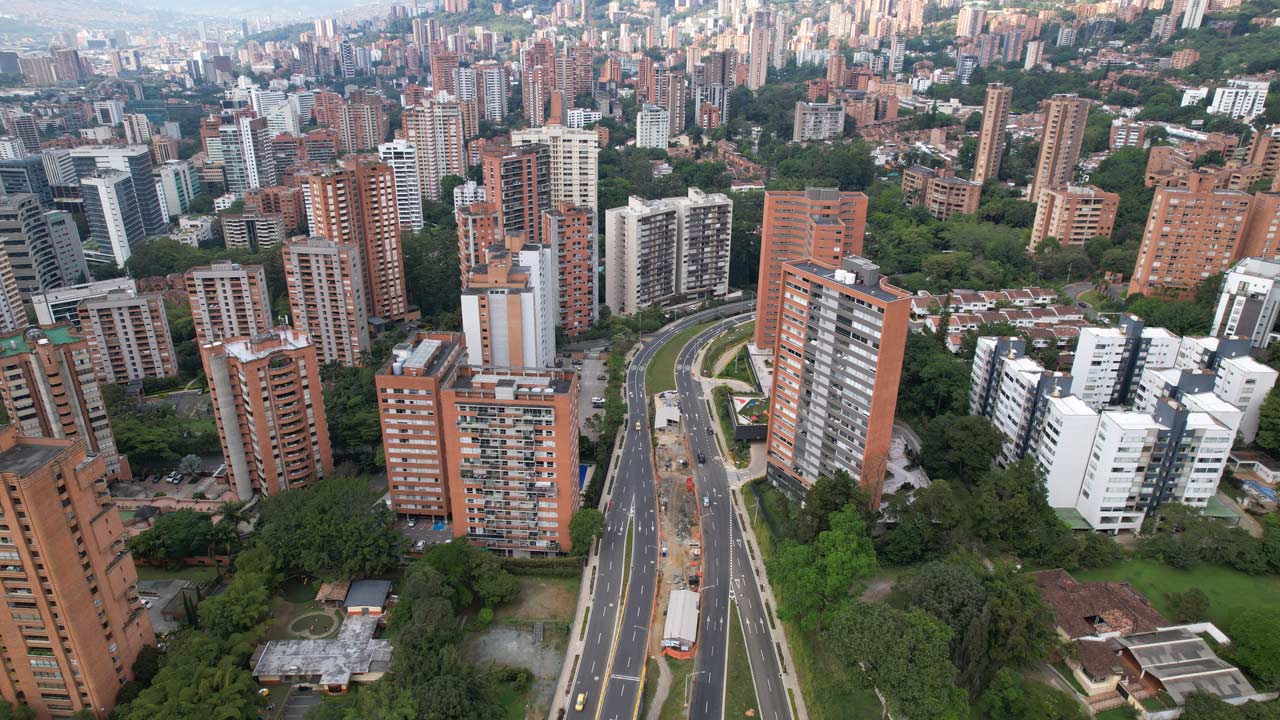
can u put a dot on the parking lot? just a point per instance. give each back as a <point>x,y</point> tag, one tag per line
<point>300,703</point>
<point>590,385</point>
<point>427,531</point>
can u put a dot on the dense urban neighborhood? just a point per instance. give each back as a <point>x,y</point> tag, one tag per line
<point>662,359</point>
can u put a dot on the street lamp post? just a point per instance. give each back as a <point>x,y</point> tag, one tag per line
<point>687,681</point>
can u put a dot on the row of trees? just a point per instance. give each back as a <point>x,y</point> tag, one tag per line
<point>181,534</point>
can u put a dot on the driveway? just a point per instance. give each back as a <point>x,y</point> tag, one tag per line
<point>299,704</point>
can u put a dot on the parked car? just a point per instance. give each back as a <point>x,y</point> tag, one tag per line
<point>602,377</point>
<point>419,546</point>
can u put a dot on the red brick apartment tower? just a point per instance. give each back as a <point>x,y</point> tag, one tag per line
<point>518,179</point>
<point>571,231</point>
<point>228,300</point>
<point>512,458</point>
<point>411,409</point>
<point>73,623</point>
<point>835,388</point>
<point>820,224</point>
<point>479,228</point>
<point>269,410</point>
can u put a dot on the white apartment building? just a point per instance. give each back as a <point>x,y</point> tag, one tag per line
<point>653,127</point>
<point>59,306</point>
<point>177,184</point>
<point>1241,98</point>
<point>574,160</point>
<point>434,128</point>
<point>112,210</point>
<point>1066,431</point>
<point>1011,390</point>
<point>1249,302</point>
<point>818,121</point>
<point>510,307</point>
<point>1109,361</point>
<point>658,252</point>
<point>402,157</point>
<point>468,194</point>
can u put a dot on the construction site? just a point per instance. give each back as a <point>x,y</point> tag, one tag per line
<point>681,551</point>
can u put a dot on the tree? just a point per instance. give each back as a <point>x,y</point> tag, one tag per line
<point>586,525</point>
<point>816,577</point>
<point>828,495</point>
<point>1254,646</point>
<point>1268,437</point>
<point>1010,510</point>
<point>1013,697</point>
<point>336,528</point>
<point>1188,607</point>
<point>949,592</point>
<point>473,573</point>
<point>959,447</point>
<point>189,465</point>
<point>10,711</point>
<point>199,673</point>
<point>174,536</point>
<point>904,654</point>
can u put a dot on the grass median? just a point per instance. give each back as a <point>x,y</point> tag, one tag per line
<point>740,689</point>
<point>661,374</point>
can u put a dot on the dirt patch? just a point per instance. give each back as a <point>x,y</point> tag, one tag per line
<point>878,590</point>
<point>551,600</point>
<point>678,510</point>
<point>517,645</point>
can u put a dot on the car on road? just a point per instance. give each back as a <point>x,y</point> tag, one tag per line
<point>732,595</point>
<point>706,501</point>
<point>601,377</point>
<point>710,431</point>
<point>701,458</point>
<point>637,426</point>
<point>581,702</point>
<point>597,402</point>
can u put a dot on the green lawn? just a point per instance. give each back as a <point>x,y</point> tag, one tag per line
<point>514,701</point>
<point>661,375</point>
<point>193,573</point>
<point>673,708</point>
<point>1124,712</point>
<point>1229,591</point>
<point>650,685</point>
<point>740,693</point>
<point>721,344</point>
<point>739,368</point>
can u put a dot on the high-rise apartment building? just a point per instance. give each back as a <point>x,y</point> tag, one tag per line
<point>1073,215</point>
<point>837,362</point>
<point>479,229</point>
<point>658,252</point>
<point>61,305</point>
<point>269,409</point>
<point>253,230</point>
<point>25,238</point>
<point>518,181</point>
<point>573,162</point>
<point>818,121</point>
<point>653,127</point>
<point>758,50</point>
<point>246,155</point>
<point>939,191</point>
<point>434,128</point>
<point>995,117</point>
<point>13,316</point>
<point>357,203</point>
<point>178,184</point>
<point>1064,121</point>
<point>511,440</point>
<point>411,407</point>
<point>111,208</point>
<point>73,624</point>
<point>49,391</point>
<point>1249,302</point>
<point>820,224</point>
<point>1191,233</point>
<point>509,309</point>
<point>136,161</point>
<point>128,336</point>
<point>1241,98</point>
<point>326,298</point>
<point>228,300</point>
<point>571,232</point>
<point>402,158</point>
<point>1109,360</point>
<point>1264,150</point>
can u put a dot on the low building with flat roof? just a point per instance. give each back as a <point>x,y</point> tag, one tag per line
<point>332,665</point>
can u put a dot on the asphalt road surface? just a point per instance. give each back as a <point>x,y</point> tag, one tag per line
<point>616,645</point>
<point>726,569</point>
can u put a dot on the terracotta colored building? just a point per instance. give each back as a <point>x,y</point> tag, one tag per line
<point>128,335</point>
<point>518,179</point>
<point>479,228</point>
<point>49,389</point>
<point>1191,233</point>
<point>411,409</point>
<point>73,623</point>
<point>269,410</point>
<point>820,224</point>
<point>356,203</point>
<point>512,443</point>
<point>835,389</point>
<point>228,300</point>
<point>1073,215</point>
<point>287,201</point>
<point>940,192</point>
<point>326,298</point>
<point>571,231</point>
<point>1061,143</point>
<point>995,116</point>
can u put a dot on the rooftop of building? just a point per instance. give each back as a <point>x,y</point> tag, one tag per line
<point>1260,266</point>
<point>26,457</point>
<point>426,356</point>
<point>23,341</point>
<point>1096,608</point>
<point>865,278</point>
<point>353,652</point>
<point>528,382</point>
<point>1184,663</point>
<point>264,344</point>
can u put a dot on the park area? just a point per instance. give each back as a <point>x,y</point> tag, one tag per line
<point>661,375</point>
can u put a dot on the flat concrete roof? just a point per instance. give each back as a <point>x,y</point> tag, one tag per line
<point>25,458</point>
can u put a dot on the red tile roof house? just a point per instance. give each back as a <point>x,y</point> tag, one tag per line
<point>1124,651</point>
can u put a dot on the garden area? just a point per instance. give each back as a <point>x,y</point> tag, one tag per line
<point>1230,592</point>
<point>661,374</point>
<point>295,615</point>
